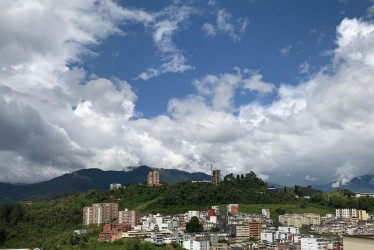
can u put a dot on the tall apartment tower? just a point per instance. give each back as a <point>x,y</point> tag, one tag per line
<point>100,213</point>
<point>153,179</point>
<point>216,177</point>
<point>131,217</point>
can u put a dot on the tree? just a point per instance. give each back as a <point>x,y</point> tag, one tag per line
<point>194,225</point>
<point>229,178</point>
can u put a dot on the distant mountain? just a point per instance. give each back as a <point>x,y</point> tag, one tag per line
<point>363,184</point>
<point>87,179</point>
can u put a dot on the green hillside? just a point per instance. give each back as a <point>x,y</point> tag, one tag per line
<point>46,223</point>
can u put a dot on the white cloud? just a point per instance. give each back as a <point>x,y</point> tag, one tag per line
<point>167,22</point>
<point>304,68</point>
<point>209,29</point>
<point>286,50</point>
<point>226,25</point>
<point>310,178</point>
<point>53,120</point>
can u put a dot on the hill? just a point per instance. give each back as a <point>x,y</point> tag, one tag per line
<point>46,223</point>
<point>87,179</point>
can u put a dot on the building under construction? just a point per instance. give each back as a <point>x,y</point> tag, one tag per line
<point>216,177</point>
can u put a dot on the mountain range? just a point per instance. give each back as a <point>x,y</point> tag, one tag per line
<point>88,179</point>
<point>362,184</point>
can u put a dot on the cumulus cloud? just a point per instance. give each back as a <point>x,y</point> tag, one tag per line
<point>54,119</point>
<point>167,23</point>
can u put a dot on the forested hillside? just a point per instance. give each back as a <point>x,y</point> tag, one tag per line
<point>45,223</point>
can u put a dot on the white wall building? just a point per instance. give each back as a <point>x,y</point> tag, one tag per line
<point>191,214</point>
<point>196,244</point>
<point>346,213</point>
<point>267,236</point>
<point>292,230</point>
<point>265,212</point>
<point>313,244</point>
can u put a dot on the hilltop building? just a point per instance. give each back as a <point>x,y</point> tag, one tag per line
<point>153,179</point>
<point>115,186</point>
<point>216,177</point>
<point>100,213</point>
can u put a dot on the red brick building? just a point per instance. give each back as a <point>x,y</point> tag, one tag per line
<point>113,231</point>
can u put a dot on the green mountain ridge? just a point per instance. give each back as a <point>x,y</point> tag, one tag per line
<point>87,179</point>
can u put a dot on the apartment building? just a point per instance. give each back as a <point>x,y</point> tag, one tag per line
<point>196,244</point>
<point>313,244</point>
<point>219,246</point>
<point>242,233</point>
<point>362,215</point>
<point>131,217</point>
<point>345,213</point>
<point>255,229</point>
<point>100,213</point>
<point>298,220</point>
<point>153,179</point>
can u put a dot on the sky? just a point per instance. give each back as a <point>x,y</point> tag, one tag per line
<point>281,88</point>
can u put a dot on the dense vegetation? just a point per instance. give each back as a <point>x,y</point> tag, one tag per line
<point>51,222</point>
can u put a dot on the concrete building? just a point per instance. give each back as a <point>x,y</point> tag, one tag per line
<point>113,231</point>
<point>216,177</point>
<point>153,179</point>
<point>345,213</point>
<point>219,246</point>
<point>299,220</point>
<point>100,213</point>
<point>292,230</point>
<point>361,242</point>
<point>115,186</point>
<point>233,208</point>
<point>266,213</point>
<point>362,215</point>
<point>242,233</point>
<point>267,236</point>
<point>313,244</point>
<point>196,244</point>
<point>131,217</point>
<point>358,195</point>
<point>255,229</point>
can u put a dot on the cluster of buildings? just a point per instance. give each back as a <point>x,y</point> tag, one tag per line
<point>346,222</point>
<point>237,230</point>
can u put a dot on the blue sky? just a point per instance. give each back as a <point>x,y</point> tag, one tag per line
<point>281,88</point>
<point>305,30</point>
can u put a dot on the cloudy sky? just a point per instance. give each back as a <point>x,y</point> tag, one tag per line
<point>282,88</point>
